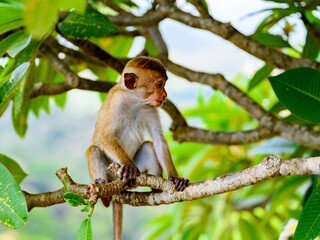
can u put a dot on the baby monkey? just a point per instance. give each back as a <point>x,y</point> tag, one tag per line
<point>126,115</point>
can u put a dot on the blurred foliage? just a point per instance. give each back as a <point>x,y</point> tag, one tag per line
<point>13,205</point>
<point>262,211</point>
<point>255,212</point>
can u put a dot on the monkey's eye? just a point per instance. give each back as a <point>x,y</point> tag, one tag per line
<point>159,84</point>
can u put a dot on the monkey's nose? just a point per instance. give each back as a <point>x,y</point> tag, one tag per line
<point>164,96</point>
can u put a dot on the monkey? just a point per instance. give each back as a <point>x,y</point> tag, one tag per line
<point>130,111</point>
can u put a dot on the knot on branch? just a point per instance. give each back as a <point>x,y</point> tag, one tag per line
<point>72,80</point>
<point>271,161</point>
<point>267,121</point>
<point>36,89</point>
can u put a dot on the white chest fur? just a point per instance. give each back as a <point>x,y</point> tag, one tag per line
<point>133,126</point>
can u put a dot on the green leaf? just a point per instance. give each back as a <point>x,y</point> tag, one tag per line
<point>13,206</point>
<point>118,46</point>
<point>45,73</point>
<point>10,26</point>
<point>85,231</point>
<point>284,193</point>
<point>73,199</point>
<point>28,53</point>
<point>205,5</point>
<point>60,99</point>
<point>270,40</point>
<point>126,2</point>
<point>41,16</point>
<point>24,90</point>
<point>309,222</point>
<point>9,13</point>
<point>249,230</point>
<point>92,24</point>
<point>77,5</point>
<point>276,15</point>
<point>14,168</point>
<point>276,108</point>
<point>19,44</point>
<point>5,102</point>
<point>151,48</point>
<point>315,21</point>
<point>21,104</point>
<point>311,48</point>
<point>7,70</point>
<point>87,208</point>
<point>299,90</point>
<point>20,117</point>
<point>9,40</point>
<point>4,106</point>
<point>261,74</point>
<point>7,88</point>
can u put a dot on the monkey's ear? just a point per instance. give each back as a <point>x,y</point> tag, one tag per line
<point>130,80</point>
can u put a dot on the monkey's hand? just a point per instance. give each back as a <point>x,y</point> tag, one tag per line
<point>128,174</point>
<point>180,183</point>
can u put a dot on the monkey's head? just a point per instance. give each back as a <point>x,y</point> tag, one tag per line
<point>146,77</point>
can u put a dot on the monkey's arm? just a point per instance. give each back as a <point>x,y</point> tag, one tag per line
<point>163,154</point>
<point>113,149</point>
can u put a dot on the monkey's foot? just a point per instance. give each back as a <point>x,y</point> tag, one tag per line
<point>93,192</point>
<point>100,181</point>
<point>180,182</point>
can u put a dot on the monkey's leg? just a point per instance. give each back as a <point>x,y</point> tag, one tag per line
<point>98,170</point>
<point>147,161</point>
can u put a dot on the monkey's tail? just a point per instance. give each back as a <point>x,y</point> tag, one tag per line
<point>117,221</point>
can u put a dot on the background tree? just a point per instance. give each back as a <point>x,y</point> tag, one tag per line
<point>49,48</point>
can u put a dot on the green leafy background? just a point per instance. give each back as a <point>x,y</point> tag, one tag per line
<point>58,129</point>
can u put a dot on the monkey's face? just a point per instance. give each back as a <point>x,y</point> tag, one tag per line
<point>148,85</point>
<point>155,93</point>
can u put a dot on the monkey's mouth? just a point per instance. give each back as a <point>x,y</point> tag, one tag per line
<point>157,103</point>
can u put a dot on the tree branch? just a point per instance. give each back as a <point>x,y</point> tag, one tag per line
<point>72,79</point>
<point>289,131</point>
<point>58,88</point>
<point>228,32</point>
<point>93,50</point>
<point>72,53</point>
<point>224,30</point>
<point>266,120</point>
<point>198,135</point>
<point>218,82</point>
<point>269,168</point>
